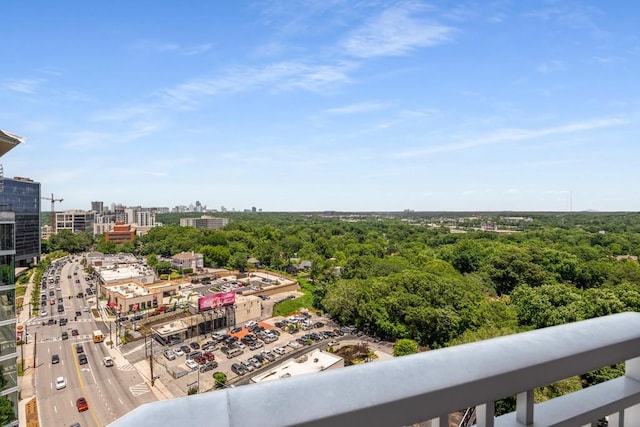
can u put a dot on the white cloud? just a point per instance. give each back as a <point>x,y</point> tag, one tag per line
<point>395,32</point>
<point>279,76</point>
<point>22,85</point>
<point>153,46</point>
<point>513,136</point>
<point>363,107</point>
<point>87,139</point>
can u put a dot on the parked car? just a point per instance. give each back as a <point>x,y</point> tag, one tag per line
<point>209,366</point>
<point>178,352</point>
<point>269,356</point>
<point>247,366</point>
<point>279,350</point>
<point>169,354</point>
<point>185,349</point>
<point>60,383</point>
<point>191,364</point>
<point>238,369</point>
<point>194,345</point>
<point>82,404</point>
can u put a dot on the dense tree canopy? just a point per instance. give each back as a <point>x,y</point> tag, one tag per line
<point>408,276</point>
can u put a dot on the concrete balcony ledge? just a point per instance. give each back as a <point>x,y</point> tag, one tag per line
<point>431,385</point>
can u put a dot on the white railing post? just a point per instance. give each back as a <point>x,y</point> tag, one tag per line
<point>524,407</point>
<point>485,414</point>
<point>632,368</point>
<point>442,421</point>
<point>616,420</point>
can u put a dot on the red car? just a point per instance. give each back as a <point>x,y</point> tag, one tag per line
<point>82,404</point>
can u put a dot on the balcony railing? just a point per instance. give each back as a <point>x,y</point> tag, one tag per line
<point>431,385</point>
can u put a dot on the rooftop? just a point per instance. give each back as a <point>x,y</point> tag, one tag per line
<point>316,361</point>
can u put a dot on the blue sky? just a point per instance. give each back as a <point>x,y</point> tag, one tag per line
<point>326,105</point>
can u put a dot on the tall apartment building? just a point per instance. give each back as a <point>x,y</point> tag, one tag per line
<point>8,324</point>
<point>76,221</point>
<point>145,218</point>
<point>204,221</point>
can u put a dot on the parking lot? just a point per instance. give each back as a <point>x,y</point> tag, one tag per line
<point>239,353</point>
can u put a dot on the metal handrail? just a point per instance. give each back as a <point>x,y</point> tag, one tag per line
<point>416,388</point>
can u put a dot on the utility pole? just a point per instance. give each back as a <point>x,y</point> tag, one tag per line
<point>35,342</point>
<point>153,379</point>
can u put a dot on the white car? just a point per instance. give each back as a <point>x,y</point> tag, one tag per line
<point>86,309</point>
<point>43,313</point>
<point>107,361</point>
<point>178,352</point>
<point>191,364</point>
<point>279,350</point>
<point>60,383</point>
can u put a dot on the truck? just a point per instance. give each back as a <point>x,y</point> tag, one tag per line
<point>98,336</point>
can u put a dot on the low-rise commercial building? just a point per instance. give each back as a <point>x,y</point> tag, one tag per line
<point>316,361</point>
<point>204,221</point>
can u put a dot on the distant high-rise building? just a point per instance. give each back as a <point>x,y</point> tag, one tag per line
<point>145,218</point>
<point>97,207</point>
<point>120,214</point>
<point>76,221</point>
<point>253,209</point>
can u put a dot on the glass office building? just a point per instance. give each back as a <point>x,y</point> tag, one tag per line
<point>22,196</point>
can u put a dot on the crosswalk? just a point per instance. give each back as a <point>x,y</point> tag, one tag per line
<point>139,389</point>
<point>127,368</point>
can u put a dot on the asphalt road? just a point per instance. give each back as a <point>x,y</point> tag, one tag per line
<point>110,391</point>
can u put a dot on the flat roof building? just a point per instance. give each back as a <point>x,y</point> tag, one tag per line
<point>204,221</point>
<point>316,361</point>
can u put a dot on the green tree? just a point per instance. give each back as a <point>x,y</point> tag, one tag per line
<point>217,256</point>
<point>7,411</point>
<point>405,346</point>
<point>220,379</point>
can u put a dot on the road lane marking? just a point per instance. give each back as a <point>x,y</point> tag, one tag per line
<point>121,402</point>
<point>139,389</point>
<point>55,409</point>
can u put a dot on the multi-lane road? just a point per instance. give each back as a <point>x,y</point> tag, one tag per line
<point>110,391</point>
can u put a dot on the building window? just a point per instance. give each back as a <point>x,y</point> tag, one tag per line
<point>7,304</point>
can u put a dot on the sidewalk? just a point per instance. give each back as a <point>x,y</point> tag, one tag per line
<point>26,381</point>
<point>142,367</point>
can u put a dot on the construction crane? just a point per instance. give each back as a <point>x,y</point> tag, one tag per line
<point>53,211</point>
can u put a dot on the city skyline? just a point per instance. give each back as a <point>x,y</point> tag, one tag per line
<point>315,106</point>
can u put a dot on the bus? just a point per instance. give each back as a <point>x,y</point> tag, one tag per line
<point>98,336</point>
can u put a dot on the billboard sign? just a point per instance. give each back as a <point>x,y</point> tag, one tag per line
<point>216,301</point>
